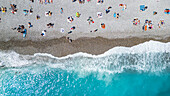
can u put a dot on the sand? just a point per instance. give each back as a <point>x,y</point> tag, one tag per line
<point>61,47</point>
<point>119,32</point>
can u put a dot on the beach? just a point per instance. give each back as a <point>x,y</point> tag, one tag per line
<point>85,47</point>
<point>119,32</point>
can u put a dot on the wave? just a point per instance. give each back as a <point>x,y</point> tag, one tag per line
<point>152,56</point>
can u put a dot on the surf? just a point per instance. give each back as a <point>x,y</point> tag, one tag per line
<point>149,56</point>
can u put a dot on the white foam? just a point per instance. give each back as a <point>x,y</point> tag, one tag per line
<point>150,46</point>
<point>13,59</point>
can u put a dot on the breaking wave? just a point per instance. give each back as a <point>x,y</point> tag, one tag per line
<point>152,56</point>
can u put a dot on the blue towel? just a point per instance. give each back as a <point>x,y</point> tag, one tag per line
<point>114,15</point>
<point>25,33</point>
<point>142,7</point>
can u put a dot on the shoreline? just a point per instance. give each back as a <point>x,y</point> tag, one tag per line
<point>61,47</point>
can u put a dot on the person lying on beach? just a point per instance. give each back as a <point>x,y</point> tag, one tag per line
<point>49,13</point>
<point>13,8</point>
<point>4,9</point>
<point>69,32</point>
<point>100,1</point>
<point>117,16</point>
<point>81,1</point>
<point>50,25</point>
<point>24,33</point>
<point>48,1</point>
<point>29,25</point>
<point>14,28</point>
<point>94,30</point>
<point>72,28</point>
<point>103,25</point>
<point>61,10</point>
<point>25,12</point>
<point>78,14</point>
<point>19,29</point>
<point>147,25</point>
<point>43,33</point>
<point>31,10</point>
<point>74,0</point>
<point>107,11</point>
<point>37,17</point>
<point>150,25</point>
<point>154,12</point>
<point>32,1</point>
<point>90,20</point>
<point>123,6</point>
<point>161,23</point>
<point>70,19</point>
<point>99,15</point>
<point>143,7</point>
<point>136,21</point>
<point>167,11</point>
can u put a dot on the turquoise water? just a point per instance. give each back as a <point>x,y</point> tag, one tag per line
<point>115,74</point>
<point>60,82</point>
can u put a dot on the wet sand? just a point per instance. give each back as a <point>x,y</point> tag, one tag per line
<point>61,47</point>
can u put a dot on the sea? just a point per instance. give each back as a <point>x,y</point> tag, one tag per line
<point>140,70</point>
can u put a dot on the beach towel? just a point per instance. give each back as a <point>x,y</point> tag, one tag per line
<point>103,25</point>
<point>24,33</point>
<point>61,11</point>
<point>114,15</point>
<point>77,14</point>
<point>146,27</point>
<point>62,30</point>
<point>167,11</point>
<point>142,7</point>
